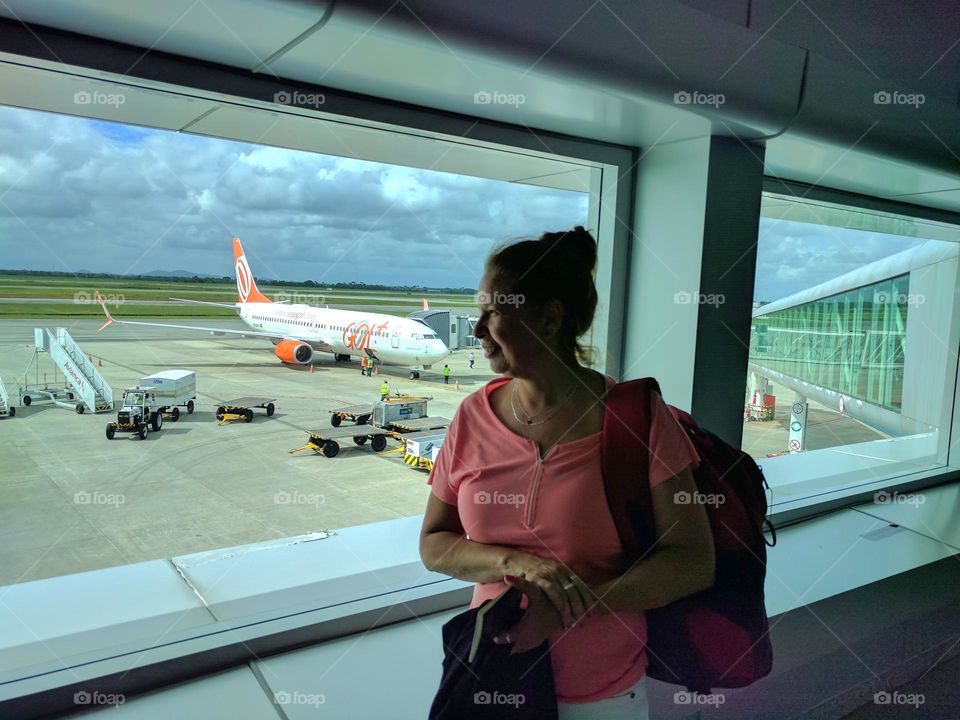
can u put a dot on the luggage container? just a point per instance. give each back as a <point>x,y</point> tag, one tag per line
<point>171,390</point>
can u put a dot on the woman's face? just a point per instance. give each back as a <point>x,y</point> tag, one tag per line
<point>507,331</point>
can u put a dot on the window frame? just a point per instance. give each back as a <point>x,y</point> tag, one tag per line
<point>794,511</point>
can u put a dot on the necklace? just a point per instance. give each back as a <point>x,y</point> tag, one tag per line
<point>515,400</point>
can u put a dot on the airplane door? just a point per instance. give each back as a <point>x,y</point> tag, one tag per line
<point>395,339</point>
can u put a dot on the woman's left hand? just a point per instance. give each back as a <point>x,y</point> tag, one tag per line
<point>539,620</point>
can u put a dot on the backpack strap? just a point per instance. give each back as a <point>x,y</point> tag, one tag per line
<point>625,458</point>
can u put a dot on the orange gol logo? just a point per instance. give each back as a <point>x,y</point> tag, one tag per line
<point>356,336</point>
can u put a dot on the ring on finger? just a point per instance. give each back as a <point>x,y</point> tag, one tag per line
<point>568,585</point>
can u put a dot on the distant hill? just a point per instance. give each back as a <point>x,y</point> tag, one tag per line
<point>177,274</point>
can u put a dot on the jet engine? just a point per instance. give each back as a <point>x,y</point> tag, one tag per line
<point>294,351</point>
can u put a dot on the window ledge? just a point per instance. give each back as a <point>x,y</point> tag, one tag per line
<point>360,578</point>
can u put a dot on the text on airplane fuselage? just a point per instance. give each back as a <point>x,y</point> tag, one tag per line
<point>356,335</point>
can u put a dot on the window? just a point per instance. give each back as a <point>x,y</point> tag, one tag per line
<point>172,522</point>
<point>851,345</point>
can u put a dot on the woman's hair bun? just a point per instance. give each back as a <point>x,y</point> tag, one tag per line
<point>578,245</point>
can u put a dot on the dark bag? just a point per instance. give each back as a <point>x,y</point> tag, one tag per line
<point>716,638</point>
<point>493,683</point>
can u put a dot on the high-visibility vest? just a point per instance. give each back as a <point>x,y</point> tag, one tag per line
<point>446,371</point>
<point>384,389</point>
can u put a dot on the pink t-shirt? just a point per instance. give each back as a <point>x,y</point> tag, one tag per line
<point>555,508</point>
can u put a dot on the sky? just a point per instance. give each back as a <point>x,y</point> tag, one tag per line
<point>84,195</point>
<point>793,256</point>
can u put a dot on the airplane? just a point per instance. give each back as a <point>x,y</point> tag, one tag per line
<point>298,331</point>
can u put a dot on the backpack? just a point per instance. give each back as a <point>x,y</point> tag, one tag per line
<point>717,637</point>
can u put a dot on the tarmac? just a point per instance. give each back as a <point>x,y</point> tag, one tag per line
<point>74,501</point>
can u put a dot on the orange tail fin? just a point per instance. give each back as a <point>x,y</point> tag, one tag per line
<point>246,286</point>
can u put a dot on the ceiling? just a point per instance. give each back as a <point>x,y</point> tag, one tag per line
<point>546,71</point>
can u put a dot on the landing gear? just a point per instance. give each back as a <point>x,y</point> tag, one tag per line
<point>341,358</point>
<point>414,375</point>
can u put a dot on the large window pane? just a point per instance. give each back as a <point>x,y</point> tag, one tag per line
<point>853,317</point>
<point>146,215</point>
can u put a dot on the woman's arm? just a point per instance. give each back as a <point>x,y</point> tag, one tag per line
<point>445,549</point>
<point>682,564</point>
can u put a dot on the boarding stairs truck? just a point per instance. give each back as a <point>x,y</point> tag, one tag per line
<point>88,386</point>
<point>6,409</point>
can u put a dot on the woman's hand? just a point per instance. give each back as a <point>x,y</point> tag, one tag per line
<point>569,596</point>
<point>539,621</point>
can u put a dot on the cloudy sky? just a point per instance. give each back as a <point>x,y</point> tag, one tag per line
<point>793,256</point>
<point>81,195</point>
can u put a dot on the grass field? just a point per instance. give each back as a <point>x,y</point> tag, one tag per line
<point>135,298</point>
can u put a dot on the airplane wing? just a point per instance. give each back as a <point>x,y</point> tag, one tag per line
<point>232,306</point>
<point>248,333</point>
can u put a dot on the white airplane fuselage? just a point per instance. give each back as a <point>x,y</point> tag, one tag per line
<point>394,340</point>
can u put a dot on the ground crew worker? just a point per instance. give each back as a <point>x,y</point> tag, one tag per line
<point>471,361</point>
<point>384,390</point>
<point>363,364</point>
<point>446,374</point>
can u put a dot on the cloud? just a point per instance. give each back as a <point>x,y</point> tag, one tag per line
<point>78,194</point>
<point>793,256</point>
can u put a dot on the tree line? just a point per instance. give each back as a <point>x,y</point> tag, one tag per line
<point>409,289</point>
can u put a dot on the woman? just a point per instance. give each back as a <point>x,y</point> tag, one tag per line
<point>517,492</point>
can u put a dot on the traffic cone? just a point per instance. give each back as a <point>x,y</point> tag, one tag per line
<point>458,384</point>
<point>311,369</point>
